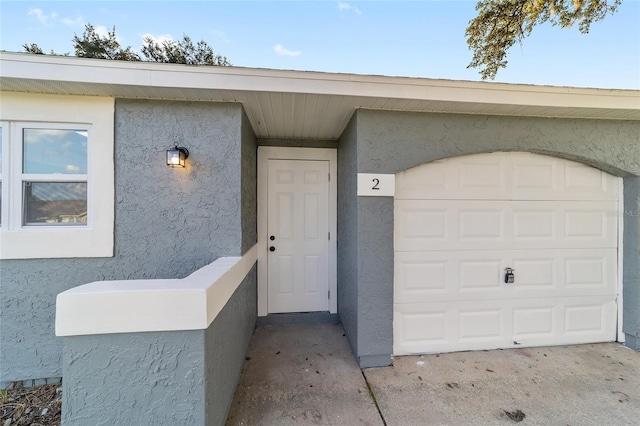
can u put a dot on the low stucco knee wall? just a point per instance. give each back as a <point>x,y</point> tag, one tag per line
<point>170,377</point>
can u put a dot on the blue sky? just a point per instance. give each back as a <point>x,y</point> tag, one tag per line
<point>397,38</point>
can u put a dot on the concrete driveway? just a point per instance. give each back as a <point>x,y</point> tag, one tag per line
<point>596,384</point>
<point>306,375</point>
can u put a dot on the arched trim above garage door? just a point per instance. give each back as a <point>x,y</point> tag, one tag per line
<point>460,222</point>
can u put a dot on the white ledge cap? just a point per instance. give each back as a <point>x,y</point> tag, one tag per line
<point>129,306</point>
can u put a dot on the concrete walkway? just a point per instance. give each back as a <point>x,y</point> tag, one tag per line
<point>302,375</point>
<point>306,374</point>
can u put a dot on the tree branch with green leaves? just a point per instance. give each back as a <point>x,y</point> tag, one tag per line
<point>502,23</point>
<point>93,45</point>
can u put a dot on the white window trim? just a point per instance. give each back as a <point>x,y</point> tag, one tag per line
<point>4,210</point>
<point>96,239</point>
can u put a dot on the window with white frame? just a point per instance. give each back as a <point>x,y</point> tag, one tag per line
<point>54,174</point>
<point>57,195</point>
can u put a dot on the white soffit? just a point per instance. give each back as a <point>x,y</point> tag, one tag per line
<point>301,104</point>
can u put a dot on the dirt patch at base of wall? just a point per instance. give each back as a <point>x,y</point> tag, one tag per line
<point>35,406</point>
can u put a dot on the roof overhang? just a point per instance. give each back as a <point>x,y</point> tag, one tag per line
<point>301,104</point>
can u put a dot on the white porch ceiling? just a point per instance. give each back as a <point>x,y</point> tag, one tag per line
<point>305,105</point>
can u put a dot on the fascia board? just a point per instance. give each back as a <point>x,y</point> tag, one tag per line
<point>143,74</point>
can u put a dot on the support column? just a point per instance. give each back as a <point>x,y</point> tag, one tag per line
<point>631,263</point>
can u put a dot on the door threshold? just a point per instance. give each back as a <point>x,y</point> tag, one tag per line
<point>298,318</point>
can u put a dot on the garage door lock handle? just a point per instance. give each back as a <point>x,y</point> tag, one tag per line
<point>509,276</point>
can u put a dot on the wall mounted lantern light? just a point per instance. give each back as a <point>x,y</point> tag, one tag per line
<point>176,156</point>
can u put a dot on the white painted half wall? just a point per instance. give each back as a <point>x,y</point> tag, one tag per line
<point>131,306</point>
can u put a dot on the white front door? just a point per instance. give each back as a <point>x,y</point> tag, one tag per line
<point>298,236</point>
<point>297,210</point>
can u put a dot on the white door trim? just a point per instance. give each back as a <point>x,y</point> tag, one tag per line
<point>620,213</point>
<point>266,153</point>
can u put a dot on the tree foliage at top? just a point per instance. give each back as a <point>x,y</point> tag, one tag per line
<point>501,23</point>
<point>181,52</point>
<point>94,45</point>
<point>32,48</point>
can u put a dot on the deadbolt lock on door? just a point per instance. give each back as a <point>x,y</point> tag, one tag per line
<point>509,276</point>
<point>272,238</point>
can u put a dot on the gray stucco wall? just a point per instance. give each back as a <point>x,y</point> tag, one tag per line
<point>631,263</point>
<point>249,185</point>
<point>169,222</point>
<point>160,378</point>
<point>226,343</point>
<point>134,379</point>
<point>375,272</point>
<point>390,142</point>
<point>348,233</point>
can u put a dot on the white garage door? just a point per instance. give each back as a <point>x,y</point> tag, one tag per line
<point>459,223</point>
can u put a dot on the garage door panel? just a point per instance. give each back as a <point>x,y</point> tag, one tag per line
<point>535,323</point>
<point>428,326</point>
<point>588,223</point>
<point>477,177</point>
<point>423,182</point>
<point>505,176</point>
<point>585,319</point>
<point>442,276</point>
<point>570,320</point>
<point>425,223</point>
<point>459,223</point>
<point>582,179</point>
<point>481,325</point>
<point>418,276</point>
<point>596,270</point>
<point>481,174</point>
<point>493,225</point>
<point>571,272</point>
<point>534,223</point>
<point>460,326</point>
<point>479,275</point>
<point>481,224</point>
<point>534,177</point>
<point>535,272</point>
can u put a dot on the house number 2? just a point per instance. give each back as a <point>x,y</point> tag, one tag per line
<point>376,185</point>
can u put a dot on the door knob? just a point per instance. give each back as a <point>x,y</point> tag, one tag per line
<point>272,248</point>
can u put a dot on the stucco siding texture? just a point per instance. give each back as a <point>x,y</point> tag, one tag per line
<point>226,344</point>
<point>347,266</point>
<point>134,379</point>
<point>169,222</point>
<point>375,281</point>
<point>631,263</point>
<point>390,142</point>
<point>160,378</point>
<point>249,183</point>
